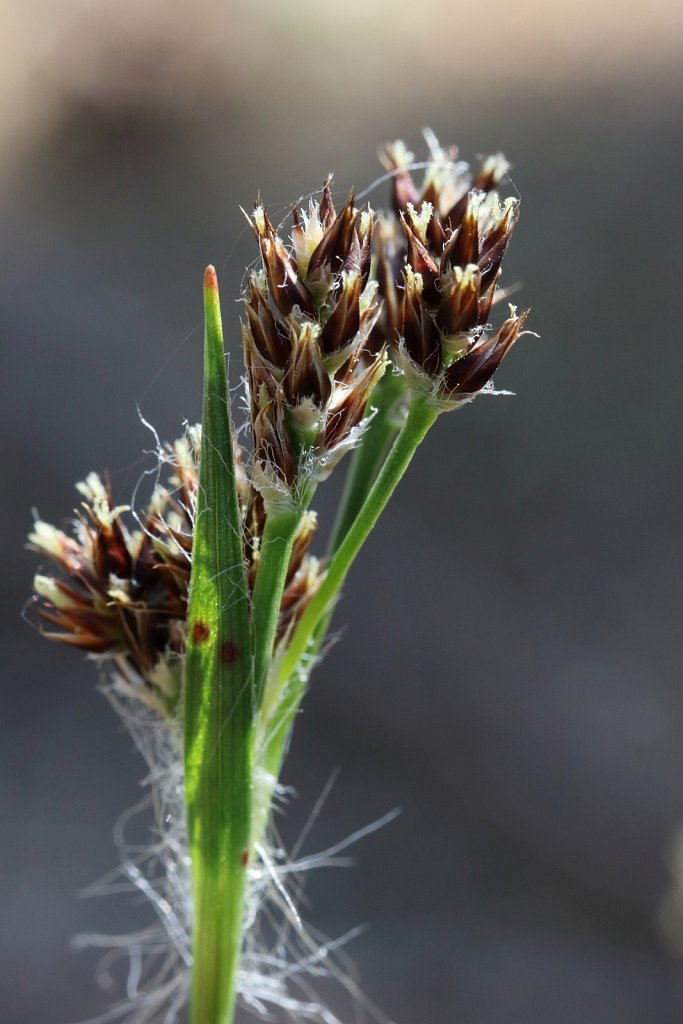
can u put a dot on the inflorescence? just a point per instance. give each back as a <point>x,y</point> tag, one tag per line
<point>352,296</point>
<point>357,329</point>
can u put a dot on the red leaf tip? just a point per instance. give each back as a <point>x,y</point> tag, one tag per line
<point>210,279</point>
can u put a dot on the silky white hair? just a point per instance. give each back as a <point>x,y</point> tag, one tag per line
<point>282,958</point>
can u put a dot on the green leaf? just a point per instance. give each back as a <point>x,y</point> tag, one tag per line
<point>219,712</point>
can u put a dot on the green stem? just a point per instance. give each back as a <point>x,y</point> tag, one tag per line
<point>365,465</point>
<point>367,458</point>
<point>274,555</point>
<point>421,416</point>
<point>218,905</point>
<point>219,717</point>
<point>292,675</point>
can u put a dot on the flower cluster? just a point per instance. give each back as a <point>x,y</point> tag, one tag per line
<point>439,264</point>
<point>121,594</point>
<point>323,314</point>
<point>445,345</point>
<point>310,312</point>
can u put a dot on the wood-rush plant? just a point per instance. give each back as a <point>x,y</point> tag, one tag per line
<point>207,609</point>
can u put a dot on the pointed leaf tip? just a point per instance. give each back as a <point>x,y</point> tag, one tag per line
<point>210,279</point>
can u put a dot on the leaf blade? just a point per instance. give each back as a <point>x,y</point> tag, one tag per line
<point>218,726</point>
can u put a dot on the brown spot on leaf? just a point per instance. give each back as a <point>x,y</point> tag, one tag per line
<point>200,632</point>
<point>229,652</point>
<point>244,858</point>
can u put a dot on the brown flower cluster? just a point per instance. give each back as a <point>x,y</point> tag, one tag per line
<point>121,594</point>
<point>439,264</point>
<point>310,312</point>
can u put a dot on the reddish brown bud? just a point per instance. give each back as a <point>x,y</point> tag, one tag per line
<point>418,331</point>
<point>352,262</point>
<point>403,188</point>
<point>111,554</point>
<point>459,309</point>
<point>333,249</point>
<point>272,447</point>
<point>90,642</point>
<point>487,297</point>
<point>286,288</point>
<point>302,542</point>
<point>418,255</point>
<point>344,321</point>
<point>272,344</point>
<point>365,258</point>
<point>332,260</point>
<point>298,593</point>
<point>349,408</point>
<point>472,371</point>
<point>463,245</point>
<point>124,595</point>
<point>326,210</point>
<point>260,375</point>
<point>490,174</point>
<point>495,240</point>
<point>306,376</point>
<point>388,254</point>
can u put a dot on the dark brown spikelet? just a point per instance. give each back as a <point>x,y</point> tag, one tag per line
<point>285,288</point>
<point>473,370</point>
<point>418,330</point>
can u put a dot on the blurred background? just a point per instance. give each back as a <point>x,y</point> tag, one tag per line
<point>511,671</point>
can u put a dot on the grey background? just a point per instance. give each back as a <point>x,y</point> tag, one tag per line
<point>510,668</point>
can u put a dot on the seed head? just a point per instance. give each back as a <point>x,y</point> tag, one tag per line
<point>310,312</point>
<point>121,593</point>
<point>439,261</point>
<point>438,267</point>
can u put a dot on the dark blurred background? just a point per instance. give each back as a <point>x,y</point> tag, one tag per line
<point>511,671</point>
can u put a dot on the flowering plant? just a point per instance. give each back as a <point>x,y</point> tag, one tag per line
<point>207,608</point>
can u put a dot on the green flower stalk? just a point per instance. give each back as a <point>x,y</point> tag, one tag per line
<point>207,609</point>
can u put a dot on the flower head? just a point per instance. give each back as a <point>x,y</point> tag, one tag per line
<point>438,267</point>
<point>310,311</point>
<point>121,593</point>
